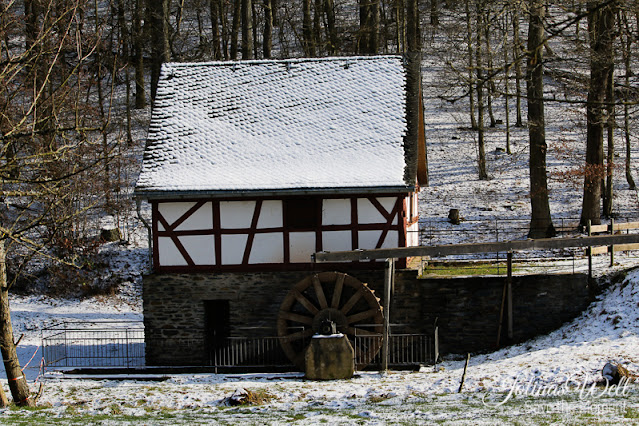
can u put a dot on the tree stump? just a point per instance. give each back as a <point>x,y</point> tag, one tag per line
<point>453,216</point>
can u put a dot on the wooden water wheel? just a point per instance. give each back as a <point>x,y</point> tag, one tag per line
<point>330,296</point>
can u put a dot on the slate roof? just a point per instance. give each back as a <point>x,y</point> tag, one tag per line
<point>279,126</point>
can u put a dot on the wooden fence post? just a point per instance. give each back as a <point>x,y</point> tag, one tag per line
<point>509,282</point>
<point>388,284</point>
<point>612,247</point>
<point>589,253</point>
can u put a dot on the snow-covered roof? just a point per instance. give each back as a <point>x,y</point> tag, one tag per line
<point>278,125</point>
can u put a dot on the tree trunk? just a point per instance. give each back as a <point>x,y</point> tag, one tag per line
<point>307,30</point>
<point>600,27</point>
<point>247,29</point>
<point>138,46</point>
<point>506,84</point>
<point>331,30</point>
<point>626,51</point>
<point>267,42</point>
<point>517,57</point>
<point>413,35</point>
<point>17,382</point>
<point>367,26</point>
<point>373,39</point>
<point>489,57</point>
<point>254,19</point>
<point>235,28</point>
<point>160,48</point>
<point>400,22</point>
<point>540,221</point>
<point>214,7</point>
<point>31,13</point>
<point>225,29</point>
<point>124,42</point>
<point>471,67</point>
<point>317,27</point>
<point>481,150</point>
<point>434,13</point>
<point>610,154</point>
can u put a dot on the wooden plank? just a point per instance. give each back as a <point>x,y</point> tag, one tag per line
<point>494,247</point>
<point>627,225</point>
<point>626,247</point>
<point>618,247</point>
<point>599,250</point>
<point>598,228</point>
<point>616,227</point>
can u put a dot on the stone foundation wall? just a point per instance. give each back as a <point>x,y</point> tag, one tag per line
<point>466,309</point>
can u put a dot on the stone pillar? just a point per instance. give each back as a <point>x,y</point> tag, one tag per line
<point>329,357</point>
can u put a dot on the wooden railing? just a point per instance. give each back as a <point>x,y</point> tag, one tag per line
<point>612,229</point>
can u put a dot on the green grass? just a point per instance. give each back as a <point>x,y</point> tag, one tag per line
<point>465,269</point>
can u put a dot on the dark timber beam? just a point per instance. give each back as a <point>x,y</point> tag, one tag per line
<point>446,250</point>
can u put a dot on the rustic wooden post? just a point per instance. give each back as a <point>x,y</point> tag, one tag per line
<point>463,379</point>
<point>612,246</point>
<point>589,252</point>
<point>388,284</point>
<point>509,282</point>
<point>501,315</point>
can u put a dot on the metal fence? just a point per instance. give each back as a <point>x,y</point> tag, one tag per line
<point>404,350</point>
<point>94,344</point>
<point>249,351</point>
<point>108,344</point>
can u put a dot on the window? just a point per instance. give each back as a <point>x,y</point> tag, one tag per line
<point>301,213</point>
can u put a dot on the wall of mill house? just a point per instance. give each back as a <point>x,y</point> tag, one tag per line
<point>467,309</point>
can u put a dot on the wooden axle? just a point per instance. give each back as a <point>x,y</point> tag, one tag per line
<point>492,247</point>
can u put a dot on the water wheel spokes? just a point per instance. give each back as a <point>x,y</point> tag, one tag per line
<point>330,296</point>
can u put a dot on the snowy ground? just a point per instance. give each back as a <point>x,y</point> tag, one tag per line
<point>548,379</point>
<point>552,375</point>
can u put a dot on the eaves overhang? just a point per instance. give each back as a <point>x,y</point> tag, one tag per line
<point>268,193</point>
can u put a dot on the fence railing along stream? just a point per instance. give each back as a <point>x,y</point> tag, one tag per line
<point>121,345</point>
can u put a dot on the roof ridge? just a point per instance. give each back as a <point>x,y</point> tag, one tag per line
<point>282,61</point>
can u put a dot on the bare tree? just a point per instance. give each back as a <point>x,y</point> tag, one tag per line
<point>138,48</point>
<point>46,128</point>
<point>540,221</point>
<point>626,49</point>
<point>481,149</point>
<point>158,11</point>
<point>267,41</point>
<point>471,66</point>
<point>601,17</point>
<point>247,29</point>
<point>369,26</point>
<point>517,54</point>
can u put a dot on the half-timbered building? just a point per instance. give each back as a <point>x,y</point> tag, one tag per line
<point>251,167</point>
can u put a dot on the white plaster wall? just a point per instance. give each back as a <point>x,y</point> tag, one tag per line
<point>302,246</point>
<point>336,212</point>
<point>337,240</point>
<point>368,239</point>
<point>200,219</point>
<point>412,236</point>
<point>233,247</point>
<point>267,248</point>
<point>169,254</point>
<point>368,213</point>
<point>201,248</point>
<point>236,214</point>
<point>270,215</point>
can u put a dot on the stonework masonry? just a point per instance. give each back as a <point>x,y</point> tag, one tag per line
<point>466,310</point>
